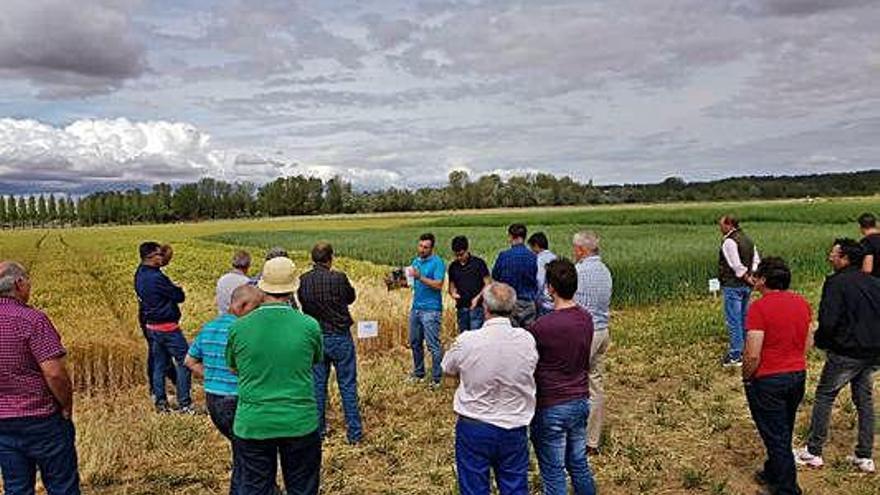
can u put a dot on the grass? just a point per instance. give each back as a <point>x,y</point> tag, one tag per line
<point>677,421</point>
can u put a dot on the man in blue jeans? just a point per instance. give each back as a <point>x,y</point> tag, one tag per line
<point>559,430</point>
<point>737,259</point>
<point>207,358</point>
<point>159,299</point>
<point>325,295</point>
<point>495,399</point>
<point>468,274</point>
<point>36,395</point>
<point>427,271</point>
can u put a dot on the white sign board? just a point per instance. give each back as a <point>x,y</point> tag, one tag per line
<point>714,285</point>
<point>368,329</point>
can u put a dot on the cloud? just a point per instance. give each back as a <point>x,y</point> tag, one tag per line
<point>105,151</point>
<point>70,48</point>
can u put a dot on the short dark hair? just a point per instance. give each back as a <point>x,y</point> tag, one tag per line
<point>850,248</point>
<point>775,272</point>
<point>539,239</point>
<point>730,220</point>
<point>459,243</point>
<point>563,277</point>
<point>322,252</point>
<point>867,220</point>
<point>148,248</point>
<point>517,231</point>
<point>428,237</point>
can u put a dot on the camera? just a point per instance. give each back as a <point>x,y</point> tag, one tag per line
<point>396,279</point>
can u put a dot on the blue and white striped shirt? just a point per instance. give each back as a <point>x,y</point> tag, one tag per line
<point>210,348</point>
<point>594,290</point>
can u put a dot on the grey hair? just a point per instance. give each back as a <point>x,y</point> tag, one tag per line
<point>276,252</point>
<point>499,299</point>
<point>10,273</point>
<point>586,239</point>
<point>241,260</point>
<point>246,292</point>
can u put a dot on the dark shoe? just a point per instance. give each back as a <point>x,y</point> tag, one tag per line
<point>760,478</point>
<point>592,451</point>
<point>162,407</point>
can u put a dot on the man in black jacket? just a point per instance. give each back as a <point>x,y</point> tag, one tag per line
<point>849,333</point>
<point>159,298</point>
<point>325,295</point>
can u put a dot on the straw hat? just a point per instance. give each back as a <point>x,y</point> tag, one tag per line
<point>278,276</point>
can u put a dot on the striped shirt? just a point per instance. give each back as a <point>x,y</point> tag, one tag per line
<point>210,348</point>
<point>594,290</point>
<point>27,338</point>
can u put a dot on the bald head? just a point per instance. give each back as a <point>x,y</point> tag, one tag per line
<point>14,281</point>
<point>245,299</point>
<point>499,299</point>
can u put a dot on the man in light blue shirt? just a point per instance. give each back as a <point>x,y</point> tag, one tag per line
<point>539,245</point>
<point>594,295</point>
<point>207,358</point>
<point>427,271</point>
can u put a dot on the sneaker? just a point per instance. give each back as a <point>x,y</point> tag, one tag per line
<point>188,410</point>
<point>865,465</point>
<point>803,457</point>
<point>730,362</point>
<point>162,407</point>
<point>413,379</point>
<point>436,385</point>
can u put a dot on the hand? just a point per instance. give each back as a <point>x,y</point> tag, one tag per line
<point>67,413</point>
<point>456,296</point>
<point>475,302</point>
<point>416,274</point>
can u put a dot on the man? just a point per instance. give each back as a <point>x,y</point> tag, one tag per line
<point>273,350</point>
<point>272,253</point>
<point>427,271</point>
<point>166,253</point>
<point>558,430</point>
<point>774,369</point>
<point>870,243</point>
<point>849,333</point>
<point>737,259</point>
<point>36,395</point>
<point>594,295</point>
<point>159,298</point>
<point>518,268</point>
<point>468,274</point>
<point>541,247</point>
<point>228,282</point>
<point>325,295</point>
<point>495,399</point>
<point>207,358</point>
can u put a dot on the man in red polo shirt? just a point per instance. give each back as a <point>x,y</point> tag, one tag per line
<point>774,369</point>
<point>36,395</point>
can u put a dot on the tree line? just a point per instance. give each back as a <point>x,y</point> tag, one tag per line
<point>300,195</point>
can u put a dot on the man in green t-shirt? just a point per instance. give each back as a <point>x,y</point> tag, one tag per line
<point>272,350</point>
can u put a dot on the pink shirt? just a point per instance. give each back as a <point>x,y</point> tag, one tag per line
<point>27,338</point>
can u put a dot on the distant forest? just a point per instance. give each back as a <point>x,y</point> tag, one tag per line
<point>299,195</point>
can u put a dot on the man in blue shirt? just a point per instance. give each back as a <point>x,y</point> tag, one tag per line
<point>518,268</point>
<point>427,271</point>
<point>207,358</point>
<point>539,245</point>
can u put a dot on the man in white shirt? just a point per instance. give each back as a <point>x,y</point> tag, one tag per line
<point>737,259</point>
<point>241,263</point>
<point>495,399</point>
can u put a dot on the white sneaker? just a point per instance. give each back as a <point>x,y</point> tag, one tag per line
<point>865,465</point>
<point>413,379</point>
<point>803,457</point>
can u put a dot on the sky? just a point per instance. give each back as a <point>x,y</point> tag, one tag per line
<point>98,93</point>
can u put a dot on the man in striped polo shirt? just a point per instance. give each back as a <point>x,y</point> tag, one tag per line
<point>207,358</point>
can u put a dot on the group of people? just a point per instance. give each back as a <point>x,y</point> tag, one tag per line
<point>529,356</point>
<point>533,333</point>
<point>770,338</point>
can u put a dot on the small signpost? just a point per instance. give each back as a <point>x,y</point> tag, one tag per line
<point>368,329</point>
<point>714,286</point>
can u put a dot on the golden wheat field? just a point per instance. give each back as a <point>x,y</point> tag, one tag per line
<point>677,422</point>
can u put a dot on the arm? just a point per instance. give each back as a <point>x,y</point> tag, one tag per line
<point>830,313</point>
<point>350,294</point>
<point>195,366</point>
<point>453,292</point>
<point>731,255</point>
<point>55,374</point>
<point>319,346</point>
<point>452,359</point>
<point>752,353</point>
<point>168,288</point>
<point>436,284</point>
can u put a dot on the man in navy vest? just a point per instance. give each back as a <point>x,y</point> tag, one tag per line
<point>737,259</point>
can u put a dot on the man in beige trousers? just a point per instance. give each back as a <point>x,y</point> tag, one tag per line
<point>594,295</point>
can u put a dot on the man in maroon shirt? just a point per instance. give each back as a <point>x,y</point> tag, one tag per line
<point>559,427</point>
<point>774,365</point>
<point>36,395</point>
